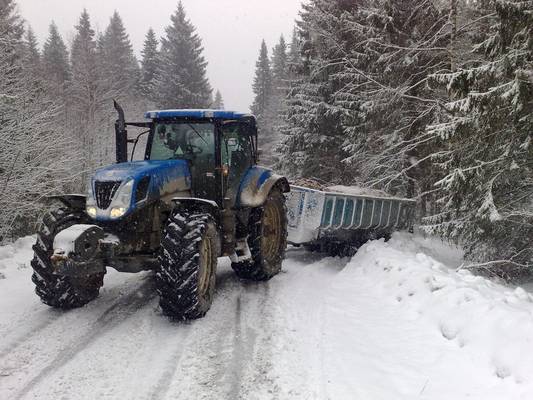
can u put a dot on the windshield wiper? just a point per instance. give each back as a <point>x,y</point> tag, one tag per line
<point>198,133</point>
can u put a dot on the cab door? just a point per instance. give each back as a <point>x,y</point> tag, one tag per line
<point>236,156</point>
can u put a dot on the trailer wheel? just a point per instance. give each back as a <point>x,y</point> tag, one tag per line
<point>56,290</point>
<point>188,255</point>
<point>267,239</point>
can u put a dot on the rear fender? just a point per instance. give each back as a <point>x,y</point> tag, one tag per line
<point>257,184</point>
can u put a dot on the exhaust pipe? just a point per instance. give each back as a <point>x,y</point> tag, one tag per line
<point>121,135</point>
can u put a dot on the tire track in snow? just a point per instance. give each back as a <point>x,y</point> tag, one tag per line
<point>218,329</point>
<point>56,315</point>
<point>250,353</point>
<point>14,344</point>
<point>115,315</point>
<point>163,384</point>
<point>242,348</point>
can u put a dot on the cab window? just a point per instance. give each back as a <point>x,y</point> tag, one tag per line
<point>236,148</point>
<point>185,140</point>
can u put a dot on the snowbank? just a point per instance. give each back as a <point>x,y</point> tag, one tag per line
<point>401,324</point>
<point>396,322</point>
<point>15,256</point>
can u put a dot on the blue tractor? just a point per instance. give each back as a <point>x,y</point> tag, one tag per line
<point>197,195</point>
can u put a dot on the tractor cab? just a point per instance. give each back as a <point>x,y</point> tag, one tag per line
<point>218,146</point>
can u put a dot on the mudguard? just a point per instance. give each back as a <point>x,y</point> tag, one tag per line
<point>256,185</point>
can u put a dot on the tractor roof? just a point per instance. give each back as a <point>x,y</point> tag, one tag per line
<point>220,114</point>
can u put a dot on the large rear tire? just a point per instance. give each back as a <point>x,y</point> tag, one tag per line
<point>267,239</point>
<point>188,255</point>
<point>57,290</point>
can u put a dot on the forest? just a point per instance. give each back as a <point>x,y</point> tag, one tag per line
<point>427,99</point>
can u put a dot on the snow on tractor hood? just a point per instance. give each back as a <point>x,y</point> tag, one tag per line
<point>166,178</point>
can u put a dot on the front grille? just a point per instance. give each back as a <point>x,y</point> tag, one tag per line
<point>104,192</point>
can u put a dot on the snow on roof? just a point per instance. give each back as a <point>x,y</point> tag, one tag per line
<point>222,114</point>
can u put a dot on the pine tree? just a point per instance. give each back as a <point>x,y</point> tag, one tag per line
<point>181,77</point>
<point>487,158</point>
<point>11,31</point>
<point>218,103</point>
<point>118,68</point>
<point>293,56</point>
<point>32,56</point>
<point>149,65</point>
<point>119,77</point>
<point>83,93</point>
<point>55,58</point>
<point>280,67</point>
<point>312,131</point>
<point>359,81</point>
<point>262,87</point>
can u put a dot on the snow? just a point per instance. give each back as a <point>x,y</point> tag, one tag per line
<point>362,191</point>
<point>357,191</point>
<point>64,240</point>
<point>399,320</point>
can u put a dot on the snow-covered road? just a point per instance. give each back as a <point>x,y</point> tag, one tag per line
<point>395,322</point>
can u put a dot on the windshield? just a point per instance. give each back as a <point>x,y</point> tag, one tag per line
<point>183,140</point>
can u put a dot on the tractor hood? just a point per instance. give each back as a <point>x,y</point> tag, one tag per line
<point>139,169</point>
<point>150,180</point>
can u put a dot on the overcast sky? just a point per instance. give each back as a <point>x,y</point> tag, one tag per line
<point>231,30</point>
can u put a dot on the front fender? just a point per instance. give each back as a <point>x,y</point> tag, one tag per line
<point>257,184</point>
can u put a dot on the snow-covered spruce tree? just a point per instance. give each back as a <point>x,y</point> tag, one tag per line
<point>149,64</point>
<point>118,68</point>
<point>263,106</point>
<point>31,54</point>
<point>181,76</point>
<point>83,92</point>
<point>55,61</point>
<point>293,56</point>
<point>218,103</point>
<point>386,99</point>
<point>364,69</point>
<point>262,89</point>
<point>118,79</point>
<point>280,82</point>
<point>487,191</point>
<point>280,68</point>
<point>312,130</point>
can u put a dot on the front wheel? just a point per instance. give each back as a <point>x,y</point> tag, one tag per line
<point>267,239</point>
<point>188,255</point>
<point>57,290</point>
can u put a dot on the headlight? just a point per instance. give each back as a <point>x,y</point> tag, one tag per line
<point>91,211</point>
<point>117,212</point>
<point>122,200</point>
<point>90,205</point>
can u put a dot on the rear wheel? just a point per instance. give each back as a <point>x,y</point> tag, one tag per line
<point>267,239</point>
<point>57,290</point>
<point>188,255</point>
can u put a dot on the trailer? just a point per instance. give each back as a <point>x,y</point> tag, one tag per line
<point>339,222</point>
